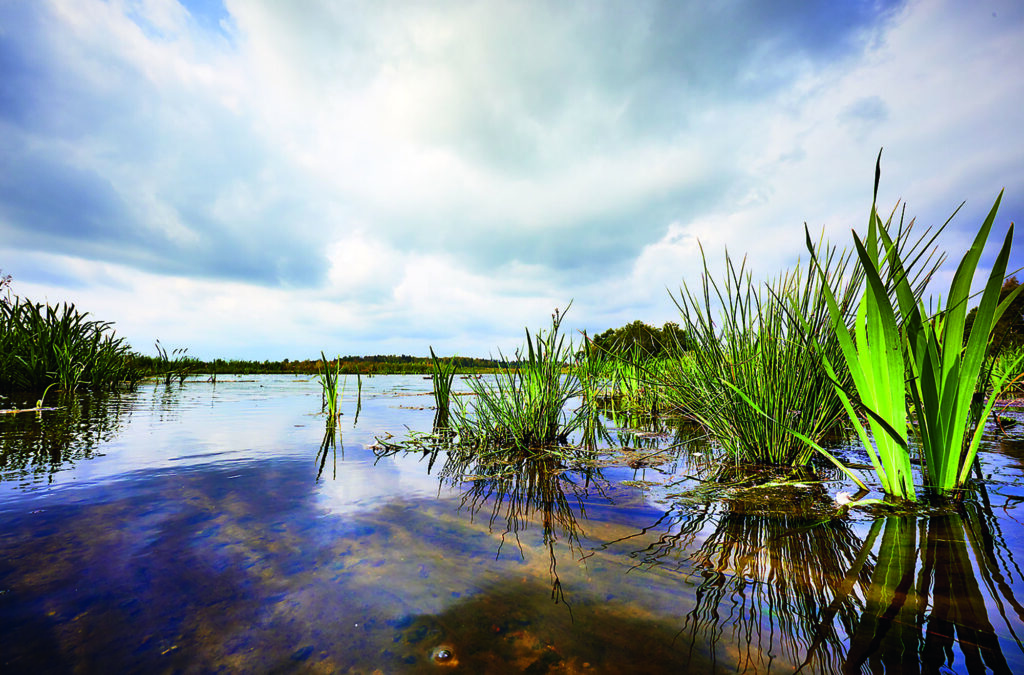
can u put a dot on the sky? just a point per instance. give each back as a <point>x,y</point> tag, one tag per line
<point>256,179</point>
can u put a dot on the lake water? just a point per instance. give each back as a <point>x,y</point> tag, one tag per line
<point>200,528</point>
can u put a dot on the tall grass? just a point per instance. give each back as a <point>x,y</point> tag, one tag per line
<point>635,379</point>
<point>330,378</point>
<point>524,406</point>
<point>752,379</point>
<point>442,374</point>
<point>175,363</point>
<point>1007,365</point>
<point>43,345</point>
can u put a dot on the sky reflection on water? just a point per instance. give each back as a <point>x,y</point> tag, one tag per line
<point>186,528</point>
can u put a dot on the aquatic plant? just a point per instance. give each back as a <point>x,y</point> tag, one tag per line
<point>442,374</point>
<point>524,405</point>
<point>872,354</point>
<point>748,376</point>
<point>901,349</point>
<point>330,377</point>
<point>635,380</point>
<point>175,363</point>
<point>1007,366</point>
<point>41,345</point>
<point>945,371</point>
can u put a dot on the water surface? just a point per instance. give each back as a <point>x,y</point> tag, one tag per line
<point>200,528</point>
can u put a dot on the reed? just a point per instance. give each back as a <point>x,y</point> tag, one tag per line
<point>749,378</point>
<point>524,405</point>
<point>442,374</point>
<point>175,363</point>
<point>330,378</point>
<point>43,345</point>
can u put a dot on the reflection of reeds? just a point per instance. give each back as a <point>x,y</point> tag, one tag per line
<point>329,445</point>
<point>916,617</point>
<point>794,591</point>
<point>518,492</point>
<point>772,575</point>
<point>48,441</point>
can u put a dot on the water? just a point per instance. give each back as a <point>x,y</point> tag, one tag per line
<point>191,529</point>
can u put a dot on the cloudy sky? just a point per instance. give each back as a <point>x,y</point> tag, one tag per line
<point>265,179</point>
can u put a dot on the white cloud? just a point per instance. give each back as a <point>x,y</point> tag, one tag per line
<point>375,177</point>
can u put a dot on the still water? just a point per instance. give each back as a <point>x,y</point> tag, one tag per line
<point>210,527</point>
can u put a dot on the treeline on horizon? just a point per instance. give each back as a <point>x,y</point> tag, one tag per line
<point>649,340</point>
<point>366,365</point>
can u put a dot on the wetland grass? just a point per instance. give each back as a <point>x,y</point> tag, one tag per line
<point>330,377</point>
<point>174,364</point>
<point>442,374</point>
<point>524,406</point>
<point>750,379</point>
<point>43,346</point>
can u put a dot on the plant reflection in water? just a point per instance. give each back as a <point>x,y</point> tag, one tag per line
<point>41,443</point>
<point>516,489</point>
<point>329,445</point>
<point>781,585</point>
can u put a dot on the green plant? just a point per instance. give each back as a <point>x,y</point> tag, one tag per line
<point>1007,365</point>
<point>174,364</point>
<point>872,354</point>
<point>330,377</point>
<point>945,372</point>
<point>42,345</point>
<point>899,349</point>
<point>442,374</point>
<point>524,406</point>
<point>749,378</point>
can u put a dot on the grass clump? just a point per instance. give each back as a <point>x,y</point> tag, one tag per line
<point>43,346</point>
<point>524,405</point>
<point>175,363</point>
<point>748,376</point>
<point>442,374</point>
<point>330,378</point>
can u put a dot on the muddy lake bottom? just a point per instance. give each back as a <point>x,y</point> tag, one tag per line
<point>200,528</point>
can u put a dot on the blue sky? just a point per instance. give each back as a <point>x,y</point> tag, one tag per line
<point>261,179</point>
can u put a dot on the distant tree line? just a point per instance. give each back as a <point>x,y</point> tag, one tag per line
<point>650,341</point>
<point>367,365</point>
